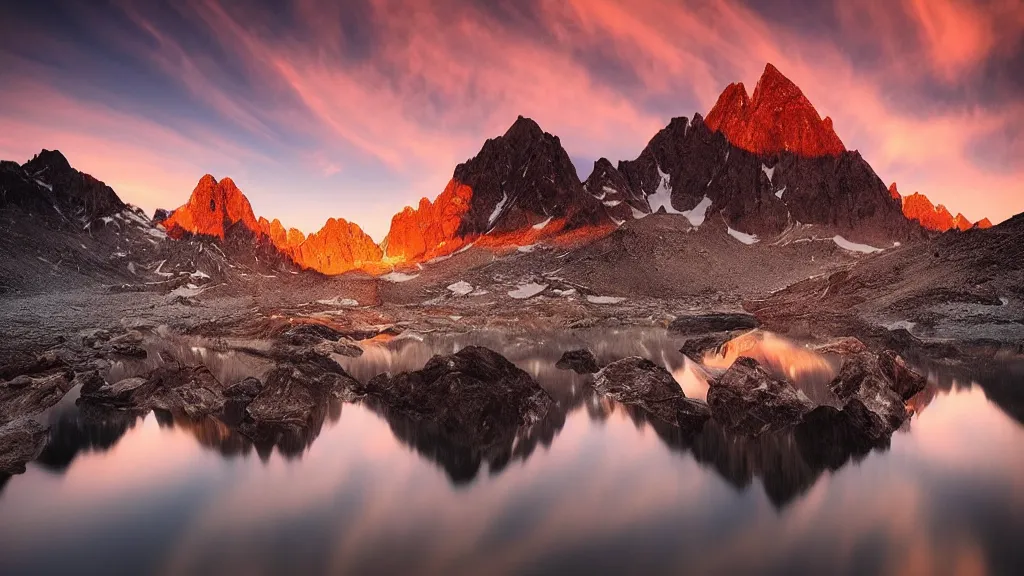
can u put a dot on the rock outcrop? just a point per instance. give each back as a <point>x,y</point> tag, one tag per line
<point>778,118</point>
<point>918,207</point>
<point>748,400</point>
<point>636,381</point>
<point>580,361</point>
<point>20,442</point>
<point>697,324</point>
<point>474,397</point>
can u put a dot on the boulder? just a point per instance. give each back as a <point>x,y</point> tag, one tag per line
<point>843,346</point>
<point>748,400</point>
<point>344,347</point>
<point>639,382</point>
<point>246,388</point>
<point>862,378</point>
<point>21,441</point>
<point>25,396</point>
<point>474,397</point>
<point>292,393</point>
<point>695,348</point>
<point>903,379</point>
<point>580,361</point>
<point>714,322</point>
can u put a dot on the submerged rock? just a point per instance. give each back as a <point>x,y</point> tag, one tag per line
<point>713,322</point>
<point>747,399</point>
<point>580,361</point>
<point>21,441</point>
<point>639,382</point>
<point>474,397</point>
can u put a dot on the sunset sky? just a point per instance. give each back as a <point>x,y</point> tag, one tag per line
<point>357,108</point>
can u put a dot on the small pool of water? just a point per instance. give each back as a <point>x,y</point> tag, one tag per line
<point>598,489</point>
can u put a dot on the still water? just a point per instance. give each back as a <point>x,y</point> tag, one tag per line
<point>597,489</point>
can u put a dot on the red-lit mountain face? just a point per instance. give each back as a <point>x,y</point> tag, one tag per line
<point>779,118</point>
<point>918,207</point>
<point>763,165</point>
<point>521,184</point>
<point>215,208</point>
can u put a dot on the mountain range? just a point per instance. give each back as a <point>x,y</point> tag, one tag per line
<point>761,165</point>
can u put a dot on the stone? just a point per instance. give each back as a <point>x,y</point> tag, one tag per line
<point>903,379</point>
<point>696,348</point>
<point>580,361</point>
<point>26,396</point>
<point>21,441</point>
<point>474,397</point>
<point>639,382</point>
<point>246,388</point>
<point>843,347</point>
<point>862,378</point>
<point>748,400</point>
<point>697,324</point>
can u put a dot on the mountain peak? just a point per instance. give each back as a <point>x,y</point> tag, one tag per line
<point>524,127</point>
<point>778,118</point>
<point>212,208</point>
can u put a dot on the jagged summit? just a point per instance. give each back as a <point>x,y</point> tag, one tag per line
<point>211,209</point>
<point>519,180</point>
<point>779,118</point>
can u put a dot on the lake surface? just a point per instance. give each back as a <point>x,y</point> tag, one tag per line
<point>597,488</point>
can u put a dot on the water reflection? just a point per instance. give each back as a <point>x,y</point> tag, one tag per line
<point>369,491</point>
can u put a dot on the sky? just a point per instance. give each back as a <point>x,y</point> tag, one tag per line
<point>356,108</point>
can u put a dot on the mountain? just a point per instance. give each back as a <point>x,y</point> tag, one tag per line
<point>48,187</point>
<point>787,175</point>
<point>211,209</point>
<point>918,207</point>
<point>214,208</point>
<point>518,181</point>
<point>779,118</point>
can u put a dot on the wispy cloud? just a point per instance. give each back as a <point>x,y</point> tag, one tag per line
<point>399,91</point>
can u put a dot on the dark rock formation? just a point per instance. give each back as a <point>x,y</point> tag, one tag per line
<point>26,395</point>
<point>639,382</point>
<point>474,397</point>
<point>748,400</point>
<point>828,437</point>
<point>20,442</point>
<point>902,378</point>
<point>713,322</point>
<point>862,378</point>
<point>516,181</point>
<point>695,348</point>
<point>580,361</point>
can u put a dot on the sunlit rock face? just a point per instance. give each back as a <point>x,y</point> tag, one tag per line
<point>778,118</point>
<point>518,182</point>
<point>918,207</point>
<point>706,169</point>
<point>283,239</point>
<point>338,247</point>
<point>212,208</point>
<point>431,229</point>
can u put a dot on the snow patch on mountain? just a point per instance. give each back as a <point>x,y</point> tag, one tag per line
<point>748,239</point>
<point>399,277</point>
<point>524,291</point>
<point>853,246</point>
<point>604,299</point>
<point>662,197</point>
<point>769,172</point>
<point>497,209</point>
<point>542,225</point>
<point>698,213</point>
<point>460,288</point>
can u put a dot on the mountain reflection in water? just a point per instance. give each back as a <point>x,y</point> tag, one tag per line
<point>586,488</point>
